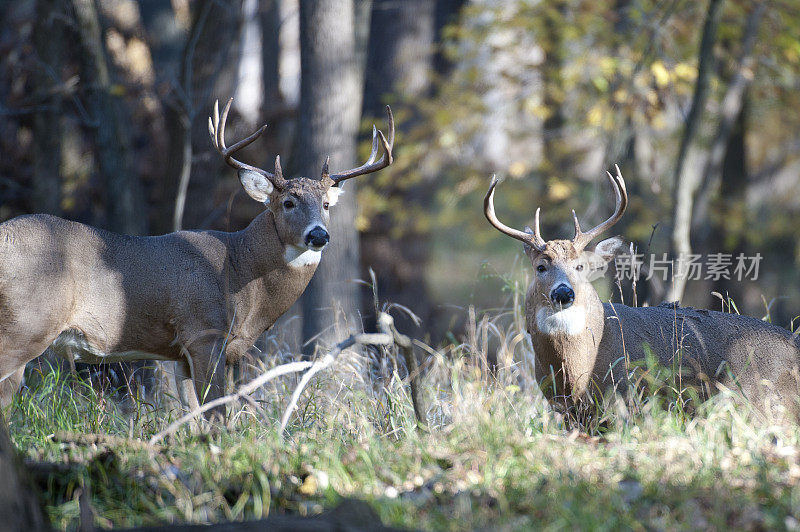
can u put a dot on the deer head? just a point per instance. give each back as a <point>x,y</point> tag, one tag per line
<point>561,294</point>
<point>299,205</point>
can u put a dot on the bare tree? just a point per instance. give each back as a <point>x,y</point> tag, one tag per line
<point>399,64</point>
<point>208,72</point>
<point>48,39</point>
<point>19,504</point>
<point>124,196</point>
<point>686,184</point>
<point>270,15</point>
<point>330,107</point>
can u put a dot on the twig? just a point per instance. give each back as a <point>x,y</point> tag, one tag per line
<point>388,336</point>
<point>327,360</point>
<point>292,367</point>
<point>386,325</point>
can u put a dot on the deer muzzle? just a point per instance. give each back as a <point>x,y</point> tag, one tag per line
<point>317,238</point>
<point>562,295</point>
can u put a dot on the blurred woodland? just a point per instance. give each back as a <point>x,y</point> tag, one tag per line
<point>104,105</point>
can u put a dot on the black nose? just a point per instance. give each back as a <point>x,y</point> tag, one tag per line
<point>317,237</point>
<point>562,294</point>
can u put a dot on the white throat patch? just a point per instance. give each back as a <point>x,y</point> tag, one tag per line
<point>570,321</point>
<point>297,256</point>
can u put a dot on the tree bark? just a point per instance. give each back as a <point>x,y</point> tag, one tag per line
<point>555,150</point>
<point>125,205</point>
<point>270,14</point>
<point>399,61</point>
<point>731,111</point>
<point>330,106</point>
<point>209,71</point>
<point>48,38</point>
<point>686,183</point>
<point>166,38</point>
<point>19,504</point>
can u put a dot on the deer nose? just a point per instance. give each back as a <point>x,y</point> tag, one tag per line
<point>317,238</point>
<point>563,295</point>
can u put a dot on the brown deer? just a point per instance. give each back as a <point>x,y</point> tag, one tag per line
<point>199,298</point>
<point>586,344</point>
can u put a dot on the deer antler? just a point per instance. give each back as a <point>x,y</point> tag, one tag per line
<point>216,128</point>
<point>581,239</point>
<point>369,166</point>
<point>534,240</point>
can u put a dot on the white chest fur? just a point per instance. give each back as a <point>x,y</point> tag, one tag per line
<point>570,321</point>
<point>297,257</point>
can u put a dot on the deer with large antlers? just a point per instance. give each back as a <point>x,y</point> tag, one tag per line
<point>583,346</point>
<point>199,298</point>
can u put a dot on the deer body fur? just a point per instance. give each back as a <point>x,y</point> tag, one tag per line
<point>111,297</point>
<point>585,345</point>
<point>199,298</point>
<point>707,346</point>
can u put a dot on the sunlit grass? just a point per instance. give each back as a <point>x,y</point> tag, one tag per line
<point>496,454</point>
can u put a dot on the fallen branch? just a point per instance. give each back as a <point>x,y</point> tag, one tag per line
<point>386,325</point>
<point>388,336</point>
<point>327,360</point>
<point>292,367</point>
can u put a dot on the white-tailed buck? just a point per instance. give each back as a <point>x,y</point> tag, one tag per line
<point>195,297</point>
<point>585,345</point>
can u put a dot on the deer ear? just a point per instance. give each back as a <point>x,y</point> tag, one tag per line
<point>530,251</point>
<point>333,194</point>
<point>607,248</point>
<point>256,185</point>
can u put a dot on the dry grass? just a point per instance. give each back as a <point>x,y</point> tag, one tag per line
<point>495,455</point>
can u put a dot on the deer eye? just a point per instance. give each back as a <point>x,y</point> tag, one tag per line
<point>579,268</point>
<point>288,204</point>
<point>326,205</point>
<point>541,268</point>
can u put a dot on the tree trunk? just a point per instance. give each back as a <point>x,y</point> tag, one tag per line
<point>686,182</point>
<point>731,109</point>
<point>48,38</point>
<point>166,38</point>
<point>19,504</point>
<point>125,203</point>
<point>209,71</point>
<point>330,106</point>
<point>270,13</point>
<point>399,61</point>
<point>555,150</point>
<point>730,220</point>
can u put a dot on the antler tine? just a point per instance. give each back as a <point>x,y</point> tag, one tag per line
<point>370,165</point>
<point>581,239</point>
<point>216,128</point>
<point>534,240</point>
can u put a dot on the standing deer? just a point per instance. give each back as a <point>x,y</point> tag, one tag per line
<point>585,344</point>
<point>199,298</point>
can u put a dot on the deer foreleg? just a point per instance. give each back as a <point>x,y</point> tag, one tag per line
<point>10,385</point>
<point>207,362</point>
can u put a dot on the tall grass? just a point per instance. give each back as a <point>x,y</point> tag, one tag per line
<point>495,454</point>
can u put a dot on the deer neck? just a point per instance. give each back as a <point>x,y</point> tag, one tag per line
<point>568,340</point>
<point>266,276</point>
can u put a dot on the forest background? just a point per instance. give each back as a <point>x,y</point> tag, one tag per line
<point>103,110</point>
